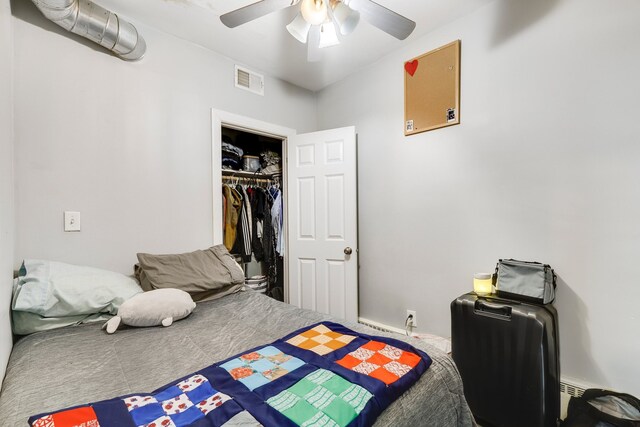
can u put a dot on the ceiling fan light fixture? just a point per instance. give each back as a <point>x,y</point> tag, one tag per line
<point>346,17</point>
<point>328,35</point>
<point>314,11</point>
<point>299,28</point>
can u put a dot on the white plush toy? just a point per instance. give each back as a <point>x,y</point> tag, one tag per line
<point>153,308</point>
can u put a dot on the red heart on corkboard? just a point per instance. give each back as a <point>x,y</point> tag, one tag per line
<point>411,67</point>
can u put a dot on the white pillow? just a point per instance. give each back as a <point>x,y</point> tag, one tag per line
<point>55,289</point>
<point>153,308</point>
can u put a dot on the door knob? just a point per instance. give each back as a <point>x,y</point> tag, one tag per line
<point>348,251</point>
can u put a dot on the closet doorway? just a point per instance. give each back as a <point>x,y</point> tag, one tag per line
<point>318,191</point>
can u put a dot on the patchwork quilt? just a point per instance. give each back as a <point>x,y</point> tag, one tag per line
<point>321,375</point>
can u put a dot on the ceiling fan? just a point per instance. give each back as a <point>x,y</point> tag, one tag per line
<point>320,22</point>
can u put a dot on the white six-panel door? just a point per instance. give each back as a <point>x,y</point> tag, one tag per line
<point>322,190</point>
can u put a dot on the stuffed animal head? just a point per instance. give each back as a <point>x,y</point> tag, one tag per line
<point>153,308</point>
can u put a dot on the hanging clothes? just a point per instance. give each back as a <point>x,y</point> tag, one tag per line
<point>269,241</point>
<point>224,210</point>
<point>234,202</point>
<point>258,200</point>
<point>277,219</point>
<point>247,207</point>
<point>242,244</point>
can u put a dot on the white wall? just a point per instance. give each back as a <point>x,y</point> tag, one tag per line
<point>6,183</point>
<point>545,166</point>
<point>126,144</point>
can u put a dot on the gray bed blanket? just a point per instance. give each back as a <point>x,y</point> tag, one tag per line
<point>74,365</point>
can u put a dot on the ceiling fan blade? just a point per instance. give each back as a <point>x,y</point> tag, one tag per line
<point>387,20</point>
<point>313,44</point>
<point>254,11</point>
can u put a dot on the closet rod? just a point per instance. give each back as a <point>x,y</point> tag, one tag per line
<point>240,178</point>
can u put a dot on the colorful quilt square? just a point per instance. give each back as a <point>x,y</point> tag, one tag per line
<point>374,346</point>
<point>336,384</point>
<point>333,335</point>
<point>242,372</point>
<point>391,352</point>
<point>397,368</point>
<point>46,421</point>
<point>168,393</point>
<point>410,359</point>
<point>167,408</point>
<point>302,387</point>
<point>383,375</point>
<point>135,402</point>
<point>339,411</point>
<point>177,405</point>
<point>187,417</point>
<point>251,357</point>
<point>310,333</point>
<point>275,373</point>
<point>213,402</point>
<point>260,367</point>
<point>381,361</point>
<point>362,353</point>
<point>308,344</point>
<point>204,391</point>
<point>321,340</point>
<point>279,359</point>
<point>365,368</point>
<point>84,416</point>
<point>321,398</point>
<point>320,419</point>
<point>161,422</point>
<point>191,383</point>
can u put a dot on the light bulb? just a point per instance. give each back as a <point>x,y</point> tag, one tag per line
<point>347,18</point>
<point>314,11</point>
<point>328,36</point>
<point>299,28</point>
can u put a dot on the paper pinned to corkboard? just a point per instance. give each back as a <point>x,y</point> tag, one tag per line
<point>432,90</point>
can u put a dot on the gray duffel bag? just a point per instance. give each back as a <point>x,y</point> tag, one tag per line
<point>527,281</point>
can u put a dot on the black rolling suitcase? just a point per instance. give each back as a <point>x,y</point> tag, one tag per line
<point>507,353</point>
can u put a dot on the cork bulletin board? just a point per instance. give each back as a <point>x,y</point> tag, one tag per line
<point>432,90</point>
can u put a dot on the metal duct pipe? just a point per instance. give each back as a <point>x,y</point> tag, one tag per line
<point>97,24</point>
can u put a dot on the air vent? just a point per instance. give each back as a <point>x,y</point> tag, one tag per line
<point>571,389</point>
<point>249,80</point>
<point>380,326</point>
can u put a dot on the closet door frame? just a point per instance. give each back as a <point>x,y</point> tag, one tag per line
<point>220,119</point>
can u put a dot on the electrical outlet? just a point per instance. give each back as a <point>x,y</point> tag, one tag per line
<point>413,322</point>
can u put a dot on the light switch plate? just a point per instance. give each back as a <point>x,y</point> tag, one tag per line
<point>71,221</point>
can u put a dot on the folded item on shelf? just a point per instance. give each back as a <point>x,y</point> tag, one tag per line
<point>226,146</point>
<point>272,169</point>
<point>230,163</point>
<point>268,158</point>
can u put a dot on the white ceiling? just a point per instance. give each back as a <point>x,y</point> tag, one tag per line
<point>266,46</point>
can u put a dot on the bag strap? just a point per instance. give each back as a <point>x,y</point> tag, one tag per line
<point>494,279</point>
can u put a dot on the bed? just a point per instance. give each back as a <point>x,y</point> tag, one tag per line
<point>56,369</point>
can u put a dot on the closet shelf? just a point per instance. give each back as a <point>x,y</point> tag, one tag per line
<point>246,174</point>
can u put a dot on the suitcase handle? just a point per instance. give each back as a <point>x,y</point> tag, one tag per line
<point>493,309</point>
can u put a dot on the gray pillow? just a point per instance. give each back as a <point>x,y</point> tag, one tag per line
<point>205,274</point>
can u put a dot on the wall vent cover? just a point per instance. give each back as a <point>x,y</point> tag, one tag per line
<point>249,80</point>
<point>571,389</point>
